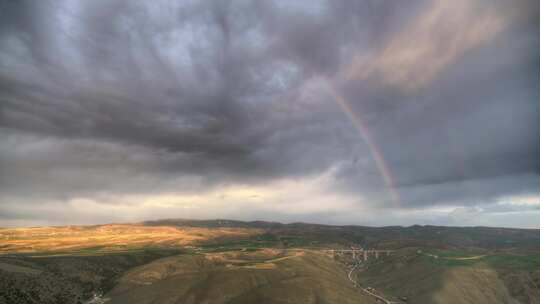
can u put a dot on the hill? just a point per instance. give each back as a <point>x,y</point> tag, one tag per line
<point>265,276</point>
<point>224,261</point>
<point>66,279</point>
<point>455,276</point>
<point>390,236</point>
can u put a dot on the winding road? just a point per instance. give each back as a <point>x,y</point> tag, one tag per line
<point>378,297</point>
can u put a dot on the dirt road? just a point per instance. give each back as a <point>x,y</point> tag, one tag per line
<point>365,290</point>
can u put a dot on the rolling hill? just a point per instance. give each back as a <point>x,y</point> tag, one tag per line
<point>224,261</point>
<point>266,276</point>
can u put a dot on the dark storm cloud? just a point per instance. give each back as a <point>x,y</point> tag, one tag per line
<point>133,96</point>
<point>116,83</point>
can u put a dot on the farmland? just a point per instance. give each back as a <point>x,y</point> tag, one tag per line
<point>110,238</point>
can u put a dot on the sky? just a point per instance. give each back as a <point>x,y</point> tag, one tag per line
<point>372,112</point>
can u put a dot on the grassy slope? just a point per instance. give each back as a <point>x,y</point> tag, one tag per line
<point>425,279</point>
<point>294,278</point>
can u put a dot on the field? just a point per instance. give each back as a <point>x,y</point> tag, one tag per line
<point>110,238</point>
<point>483,258</point>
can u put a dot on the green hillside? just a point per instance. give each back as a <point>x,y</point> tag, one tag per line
<point>452,277</point>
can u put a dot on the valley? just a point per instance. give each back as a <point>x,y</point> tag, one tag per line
<point>220,261</point>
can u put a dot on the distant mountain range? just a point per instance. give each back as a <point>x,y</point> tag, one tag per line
<point>440,236</point>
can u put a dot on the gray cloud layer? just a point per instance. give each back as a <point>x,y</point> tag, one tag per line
<point>122,97</point>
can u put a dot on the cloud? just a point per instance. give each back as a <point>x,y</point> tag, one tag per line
<point>286,198</point>
<point>430,42</point>
<point>129,105</point>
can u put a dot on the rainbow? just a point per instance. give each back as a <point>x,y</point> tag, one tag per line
<point>362,129</point>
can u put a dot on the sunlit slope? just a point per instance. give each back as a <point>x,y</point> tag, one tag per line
<point>267,276</point>
<point>106,238</point>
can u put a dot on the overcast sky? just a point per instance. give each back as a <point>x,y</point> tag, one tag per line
<point>345,112</point>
